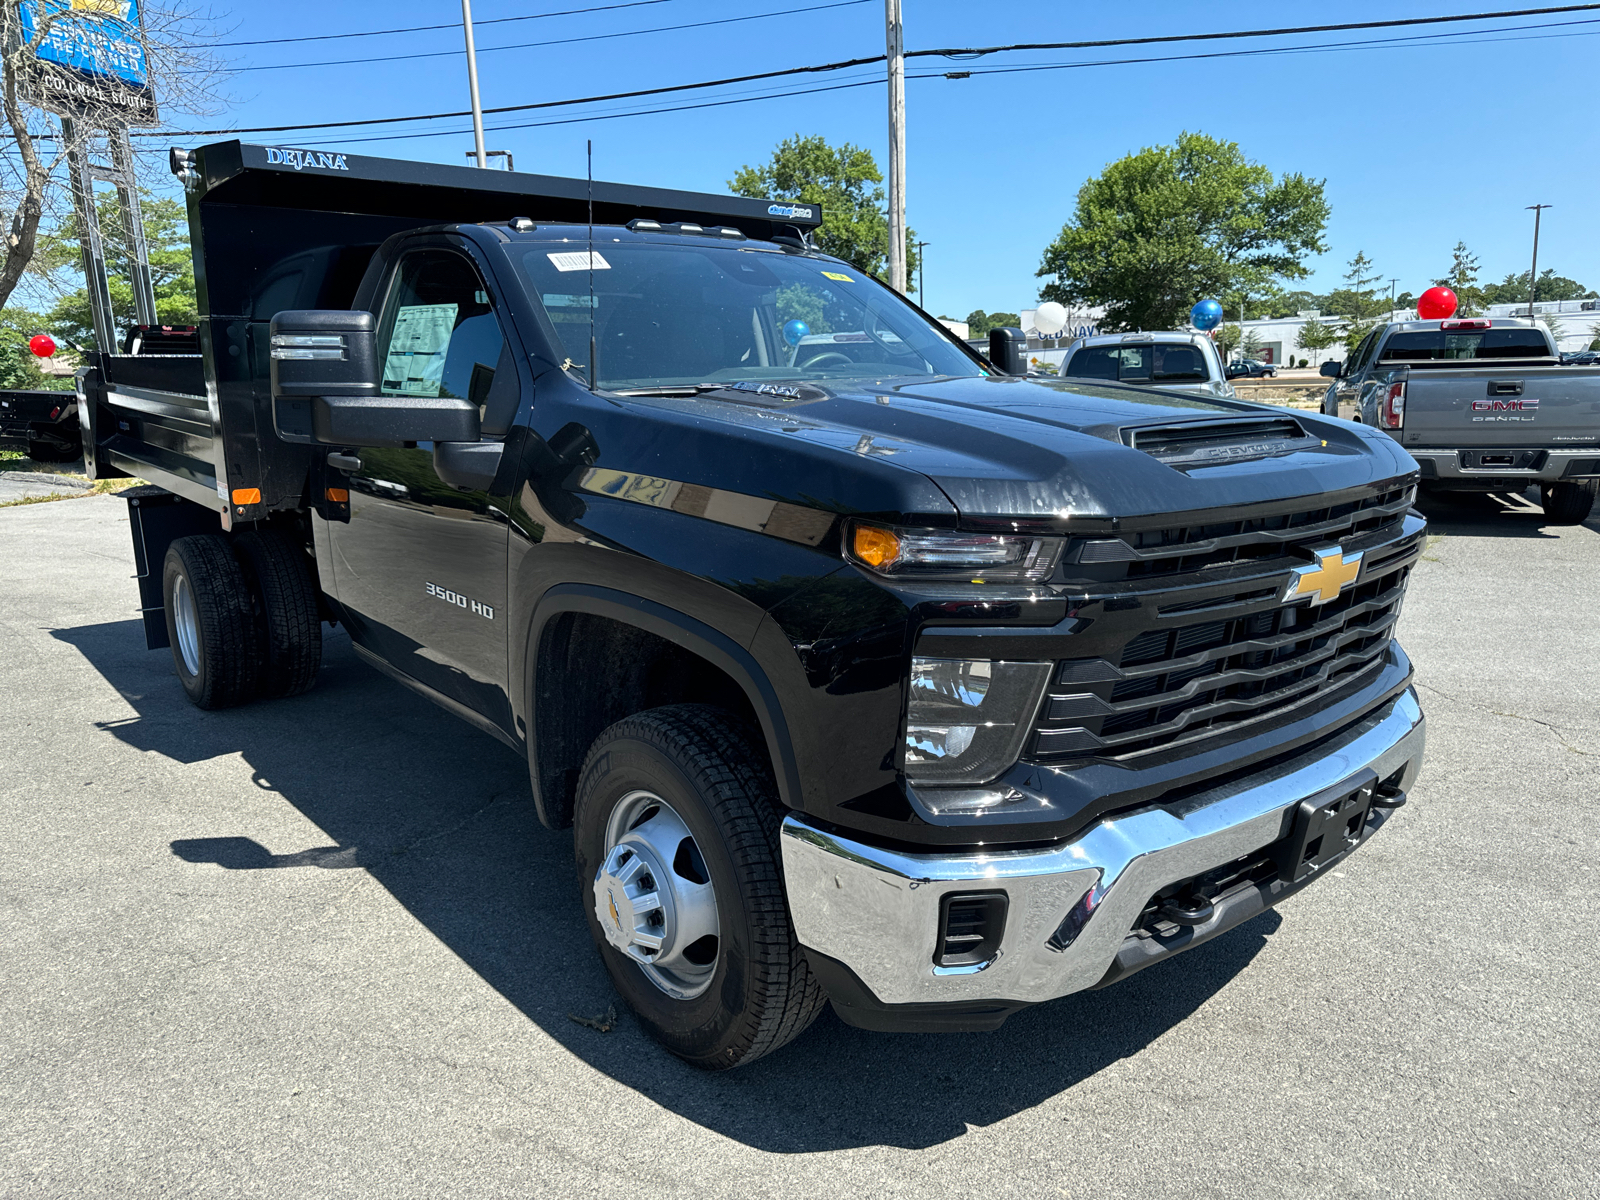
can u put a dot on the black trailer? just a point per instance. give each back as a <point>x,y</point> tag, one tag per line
<point>866,670</point>
<point>44,423</point>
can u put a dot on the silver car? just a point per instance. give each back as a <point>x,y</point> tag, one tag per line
<point>1175,361</point>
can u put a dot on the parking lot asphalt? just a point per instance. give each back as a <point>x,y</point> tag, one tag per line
<point>321,947</point>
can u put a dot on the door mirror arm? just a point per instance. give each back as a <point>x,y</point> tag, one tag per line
<point>470,466</point>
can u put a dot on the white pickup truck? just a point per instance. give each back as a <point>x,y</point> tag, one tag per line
<point>1174,361</point>
<point>1483,404</point>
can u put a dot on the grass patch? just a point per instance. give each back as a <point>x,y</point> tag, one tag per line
<point>98,487</point>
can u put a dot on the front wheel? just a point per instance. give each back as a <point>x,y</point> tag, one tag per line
<point>676,836</point>
<point>1567,503</point>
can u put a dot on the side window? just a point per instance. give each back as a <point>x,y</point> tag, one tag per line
<point>1358,360</point>
<point>439,336</point>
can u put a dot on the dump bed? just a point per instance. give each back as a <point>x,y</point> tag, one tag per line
<point>275,228</point>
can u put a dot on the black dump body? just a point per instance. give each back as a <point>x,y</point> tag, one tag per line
<point>277,228</point>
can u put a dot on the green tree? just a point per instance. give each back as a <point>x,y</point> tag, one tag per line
<point>1314,335</point>
<point>1462,279</point>
<point>846,183</point>
<point>1358,304</point>
<point>979,323</point>
<point>1160,229</point>
<point>166,232</point>
<point>1513,289</point>
<point>1227,337</point>
<point>18,366</point>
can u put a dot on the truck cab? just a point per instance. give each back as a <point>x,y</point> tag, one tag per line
<point>1174,361</point>
<point>865,671</point>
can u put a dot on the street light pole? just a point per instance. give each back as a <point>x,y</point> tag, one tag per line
<point>922,296</point>
<point>472,83</point>
<point>1533,272</point>
<point>895,47</point>
<point>1392,282</point>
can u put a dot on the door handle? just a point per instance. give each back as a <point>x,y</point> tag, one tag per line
<point>344,462</point>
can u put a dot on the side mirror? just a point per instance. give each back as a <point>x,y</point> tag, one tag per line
<point>1333,370</point>
<point>326,383</point>
<point>1008,351</point>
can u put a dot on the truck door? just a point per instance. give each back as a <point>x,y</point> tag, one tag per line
<point>421,566</point>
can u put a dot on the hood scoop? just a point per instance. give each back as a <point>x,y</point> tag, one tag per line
<point>1207,443</point>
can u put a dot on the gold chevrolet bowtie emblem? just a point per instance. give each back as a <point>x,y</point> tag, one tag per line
<point>1323,580</point>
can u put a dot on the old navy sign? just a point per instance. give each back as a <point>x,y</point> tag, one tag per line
<point>300,159</point>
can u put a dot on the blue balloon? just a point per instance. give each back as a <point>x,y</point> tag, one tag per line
<point>1206,315</point>
<point>796,329</point>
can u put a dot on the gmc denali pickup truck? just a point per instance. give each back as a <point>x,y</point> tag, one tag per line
<point>1483,404</point>
<point>864,670</point>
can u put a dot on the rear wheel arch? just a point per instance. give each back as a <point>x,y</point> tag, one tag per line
<point>652,655</point>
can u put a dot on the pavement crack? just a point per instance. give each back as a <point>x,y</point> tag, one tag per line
<point>1496,712</point>
<point>408,847</point>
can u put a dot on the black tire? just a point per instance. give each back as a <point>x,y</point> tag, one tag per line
<point>216,646</point>
<point>45,448</point>
<point>1567,503</point>
<point>289,629</point>
<point>708,768</point>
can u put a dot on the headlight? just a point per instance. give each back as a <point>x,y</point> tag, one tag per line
<point>946,554</point>
<point>968,719</point>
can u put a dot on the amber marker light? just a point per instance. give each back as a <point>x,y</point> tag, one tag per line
<point>339,495</point>
<point>247,496</point>
<point>875,546</point>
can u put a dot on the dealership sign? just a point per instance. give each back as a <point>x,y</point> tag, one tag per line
<point>90,63</point>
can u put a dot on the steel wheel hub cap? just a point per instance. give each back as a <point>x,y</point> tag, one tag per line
<point>653,896</point>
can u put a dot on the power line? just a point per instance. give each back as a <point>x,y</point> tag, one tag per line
<point>878,58</point>
<point>1481,37</point>
<point>1391,44</point>
<point>331,37</point>
<point>971,52</point>
<point>592,37</point>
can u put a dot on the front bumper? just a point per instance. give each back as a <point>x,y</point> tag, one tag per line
<point>1467,468</point>
<point>869,916</point>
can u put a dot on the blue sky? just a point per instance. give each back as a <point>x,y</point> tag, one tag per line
<point>1421,144</point>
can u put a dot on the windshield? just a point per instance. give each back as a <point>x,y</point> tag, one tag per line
<point>681,315</point>
<point>1435,345</point>
<point>1140,363</point>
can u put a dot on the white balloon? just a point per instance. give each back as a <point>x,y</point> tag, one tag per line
<point>1049,318</point>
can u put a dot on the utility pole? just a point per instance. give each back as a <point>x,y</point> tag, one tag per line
<point>472,84</point>
<point>1533,273</point>
<point>895,45</point>
<point>1392,282</point>
<point>922,296</point>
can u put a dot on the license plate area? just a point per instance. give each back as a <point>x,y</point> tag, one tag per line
<point>1326,827</point>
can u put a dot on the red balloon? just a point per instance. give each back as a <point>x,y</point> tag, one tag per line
<point>42,344</point>
<point>1436,304</point>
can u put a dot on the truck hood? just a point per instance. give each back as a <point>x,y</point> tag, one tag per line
<point>1009,447</point>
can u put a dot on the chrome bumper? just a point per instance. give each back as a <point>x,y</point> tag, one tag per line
<point>1447,466</point>
<point>877,911</point>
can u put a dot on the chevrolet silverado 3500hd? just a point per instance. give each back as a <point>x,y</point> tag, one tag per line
<point>866,671</point>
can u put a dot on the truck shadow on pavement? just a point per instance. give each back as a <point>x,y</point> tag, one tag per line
<point>1492,514</point>
<point>440,815</point>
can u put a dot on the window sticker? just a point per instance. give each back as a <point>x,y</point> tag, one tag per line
<point>414,365</point>
<point>836,275</point>
<point>578,260</point>
<point>560,301</point>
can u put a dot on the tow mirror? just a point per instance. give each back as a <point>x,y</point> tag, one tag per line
<point>1008,351</point>
<point>326,387</point>
<point>1333,370</point>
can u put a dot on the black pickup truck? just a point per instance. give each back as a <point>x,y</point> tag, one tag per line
<point>865,669</point>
